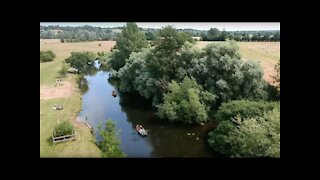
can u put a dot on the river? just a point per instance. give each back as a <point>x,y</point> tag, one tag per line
<point>128,110</point>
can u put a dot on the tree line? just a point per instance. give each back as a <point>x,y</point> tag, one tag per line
<point>78,34</point>
<point>89,33</point>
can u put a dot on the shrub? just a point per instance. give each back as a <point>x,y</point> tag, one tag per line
<point>46,56</point>
<point>63,71</point>
<point>110,144</point>
<point>99,44</point>
<point>52,54</point>
<point>79,60</point>
<point>243,109</point>
<point>248,137</point>
<point>186,102</point>
<point>65,128</point>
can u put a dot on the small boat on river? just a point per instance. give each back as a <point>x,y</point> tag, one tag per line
<point>114,94</point>
<point>141,130</point>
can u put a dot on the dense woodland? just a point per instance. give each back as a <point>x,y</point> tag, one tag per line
<point>188,85</point>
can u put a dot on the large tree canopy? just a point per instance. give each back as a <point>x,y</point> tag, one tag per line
<point>222,72</point>
<point>248,137</point>
<point>186,102</point>
<point>131,39</point>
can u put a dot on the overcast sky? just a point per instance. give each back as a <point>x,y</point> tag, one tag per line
<point>229,26</point>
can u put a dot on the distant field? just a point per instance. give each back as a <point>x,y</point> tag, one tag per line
<point>267,52</point>
<point>63,50</point>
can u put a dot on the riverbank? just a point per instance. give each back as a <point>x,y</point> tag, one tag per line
<point>84,146</point>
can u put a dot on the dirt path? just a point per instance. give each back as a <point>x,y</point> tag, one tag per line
<point>50,92</point>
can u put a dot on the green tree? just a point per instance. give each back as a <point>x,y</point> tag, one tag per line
<point>219,70</point>
<point>131,39</point>
<point>132,69</point>
<point>162,64</point>
<point>110,144</point>
<point>253,86</point>
<point>243,109</point>
<point>79,60</point>
<point>185,102</point>
<point>248,137</point>
<point>222,72</point>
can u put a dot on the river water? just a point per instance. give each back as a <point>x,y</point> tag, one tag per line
<point>128,110</point>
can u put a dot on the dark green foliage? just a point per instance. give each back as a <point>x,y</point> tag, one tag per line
<point>170,41</point>
<point>248,137</point>
<point>133,68</point>
<point>79,60</point>
<point>46,56</point>
<point>243,109</point>
<point>214,35</point>
<point>253,86</point>
<point>218,69</point>
<point>186,102</point>
<point>65,128</point>
<point>110,144</point>
<point>131,39</point>
<point>222,72</point>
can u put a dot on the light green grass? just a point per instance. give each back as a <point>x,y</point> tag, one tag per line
<point>49,72</point>
<point>84,145</point>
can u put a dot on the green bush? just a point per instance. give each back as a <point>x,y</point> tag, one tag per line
<point>243,109</point>
<point>186,102</point>
<point>79,60</point>
<point>248,137</point>
<point>52,54</point>
<point>46,56</point>
<point>64,70</point>
<point>110,144</point>
<point>65,128</point>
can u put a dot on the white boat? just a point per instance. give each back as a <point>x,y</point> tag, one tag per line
<point>141,130</point>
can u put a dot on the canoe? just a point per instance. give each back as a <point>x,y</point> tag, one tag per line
<point>114,94</point>
<point>141,130</point>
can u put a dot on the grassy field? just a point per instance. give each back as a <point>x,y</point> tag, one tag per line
<point>84,145</point>
<point>49,70</point>
<point>267,52</point>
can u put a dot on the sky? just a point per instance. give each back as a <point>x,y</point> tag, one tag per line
<point>229,26</point>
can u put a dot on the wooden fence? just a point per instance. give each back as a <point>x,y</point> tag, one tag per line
<point>69,137</point>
